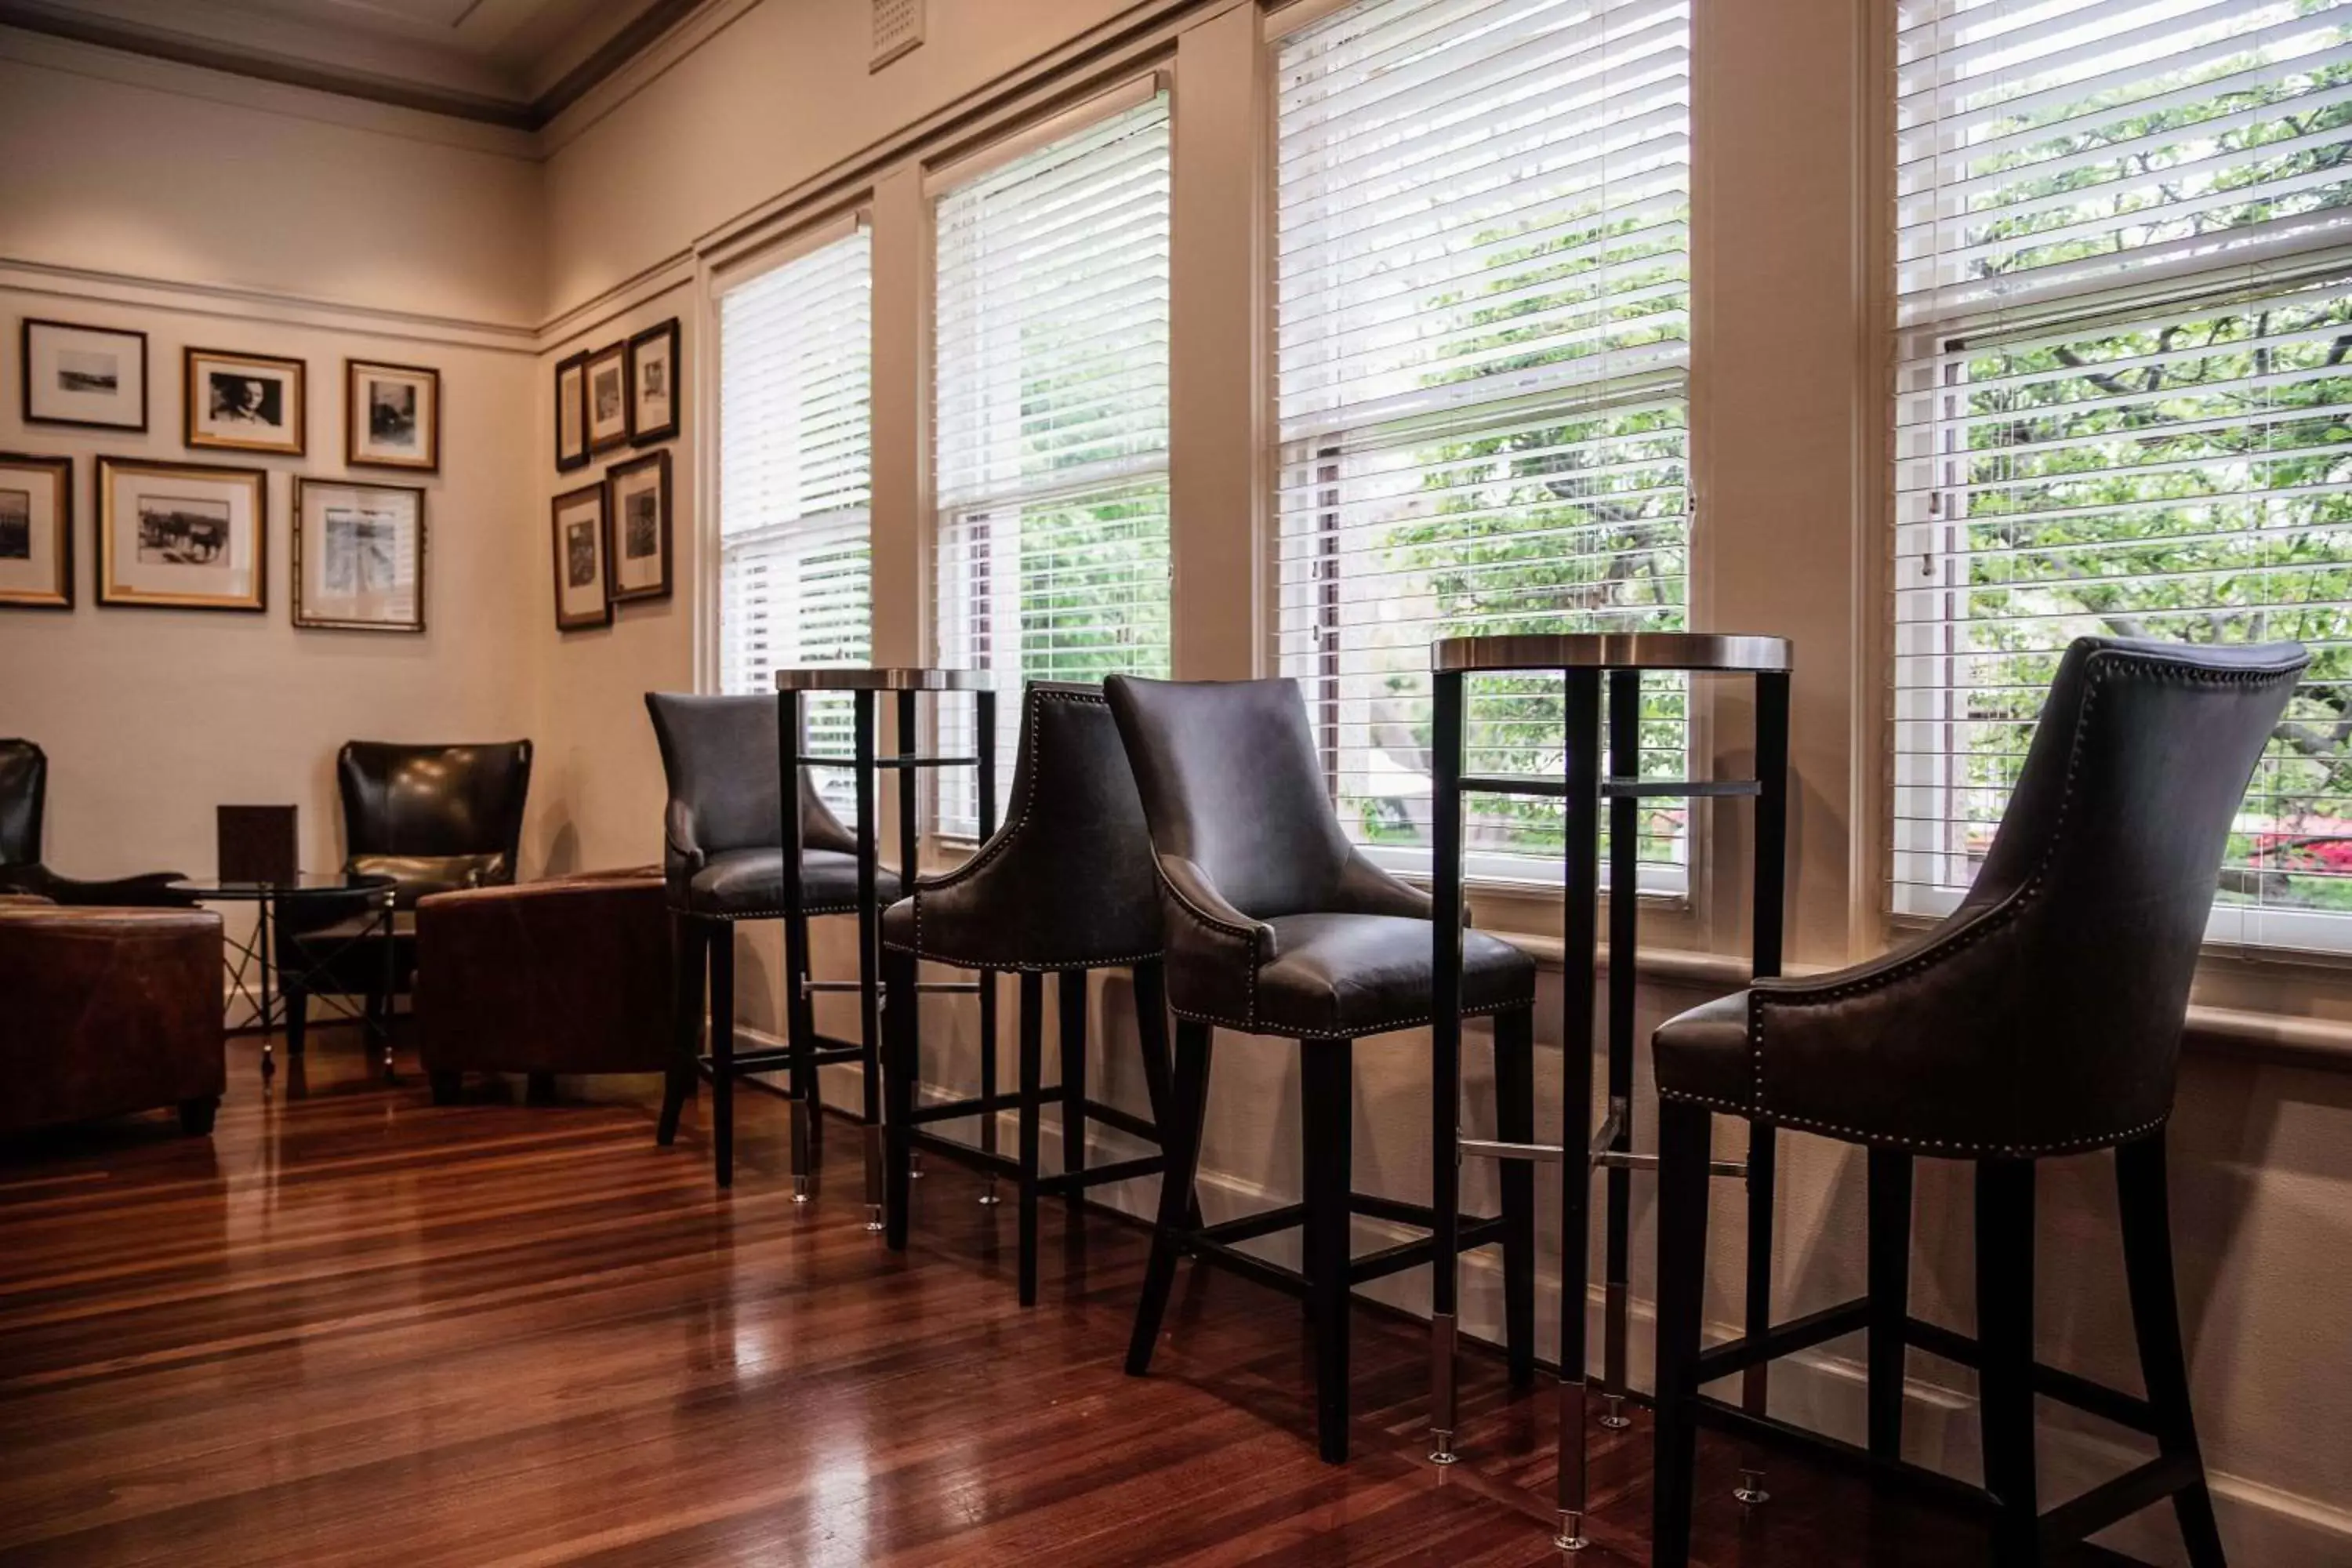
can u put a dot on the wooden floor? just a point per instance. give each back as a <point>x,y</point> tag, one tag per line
<point>352,1328</point>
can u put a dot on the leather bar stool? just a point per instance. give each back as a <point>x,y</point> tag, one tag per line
<point>2043,1017</point>
<point>1067,887</point>
<point>1276,925</point>
<point>723,861</point>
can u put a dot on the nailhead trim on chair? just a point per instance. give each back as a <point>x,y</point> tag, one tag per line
<point>1999,917</point>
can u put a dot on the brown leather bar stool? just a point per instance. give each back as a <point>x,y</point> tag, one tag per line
<point>1276,925</point>
<point>722,862</point>
<point>1067,887</point>
<point>2043,1017</point>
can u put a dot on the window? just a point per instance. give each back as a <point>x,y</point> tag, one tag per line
<point>1482,243</point>
<point>794,352</point>
<point>2124,279</point>
<point>1052,418</point>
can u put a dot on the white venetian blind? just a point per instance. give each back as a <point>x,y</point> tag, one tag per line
<point>794,347</point>
<point>1051,370</point>
<point>2124,275</point>
<point>1484,305</point>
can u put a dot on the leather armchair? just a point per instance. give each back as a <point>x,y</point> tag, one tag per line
<point>567,975</point>
<point>109,1011</point>
<point>24,798</point>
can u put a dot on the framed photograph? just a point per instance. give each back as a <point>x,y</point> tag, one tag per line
<point>91,376</point>
<point>653,391</point>
<point>36,533</point>
<point>639,507</point>
<point>582,594</point>
<point>608,398</point>
<point>245,402</point>
<point>358,556</point>
<point>189,536</point>
<point>571,412</point>
<point>392,415</point>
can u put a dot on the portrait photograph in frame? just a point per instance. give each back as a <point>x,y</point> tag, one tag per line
<point>358,556</point>
<point>571,412</point>
<point>654,394</point>
<point>36,533</point>
<point>639,510</point>
<point>392,415</point>
<point>608,397</point>
<point>184,536</point>
<point>584,597</point>
<point>90,377</point>
<point>245,402</point>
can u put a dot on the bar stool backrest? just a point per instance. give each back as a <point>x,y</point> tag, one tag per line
<point>720,757</point>
<point>1231,784</point>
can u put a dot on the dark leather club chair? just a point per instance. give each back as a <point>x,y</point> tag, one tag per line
<point>431,817</point>
<point>24,798</point>
<point>1065,886</point>
<point>723,861</point>
<point>2043,1017</point>
<point>1276,925</point>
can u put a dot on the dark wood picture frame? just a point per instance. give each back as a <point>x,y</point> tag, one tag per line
<point>656,463</point>
<point>619,353</point>
<point>24,376</point>
<point>668,429</point>
<point>102,558</point>
<point>575,365</point>
<point>354,411</point>
<point>298,387</point>
<point>603,531</point>
<point>63,475</point>
<point>424,553</point>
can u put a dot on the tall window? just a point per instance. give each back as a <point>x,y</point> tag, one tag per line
<point>794,352</point>
<point>2124,407</point>
<point>1052,416</point>
<point>1483,267</point>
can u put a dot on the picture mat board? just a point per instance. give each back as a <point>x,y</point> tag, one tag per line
<point>571,412</point>
<point>653,385</point>
<point>391,417</point>
<point>640,544</point>
<point>94,376</point>
<point>182,534</point>
<point>358,556</point>
<point>582,596</point>
<point>35,532</point>
<point>608,398</point>
<point>274,389</point>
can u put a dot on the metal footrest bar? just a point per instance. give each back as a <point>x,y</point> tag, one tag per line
<point>1613,788</point>
<point>1626,1160</point>
<point>1496,1149</point>
<point>826,760</point>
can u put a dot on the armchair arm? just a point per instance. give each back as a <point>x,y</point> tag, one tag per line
<point>1204,906</point>
<point>678,836</point>
<point>1366,889</point>
<point>150,889</point>
<point>1214,951</point>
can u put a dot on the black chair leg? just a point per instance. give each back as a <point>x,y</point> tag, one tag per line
<point>1032,1089</point>
<point>1685,1136</point>
<point>196,1115</point>
<point>722,1054</point>
<point>2145,1203</point>
<point>1151,1030</point>
<point>901,1059</point>
<point>1515,1122</point>
<point>800,1040</point>
<point>1188,1098</point>
<point>296,1000</point>
<point>1890,1293</point>
<point>689,947</point>
<point>449,1088</point>
<point>1327,1105</point>
<point>2005,1341</point>
<point>1070,991</point>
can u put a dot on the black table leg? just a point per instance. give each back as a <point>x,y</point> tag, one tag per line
<point>800,1029</point>
<point>1624,916</point>
<point>869,923</point>
<point>1770,894</point>
<point>1579,943</point>
<point>1446,1063</point>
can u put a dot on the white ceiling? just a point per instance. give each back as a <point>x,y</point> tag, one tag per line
<point>509,61</point>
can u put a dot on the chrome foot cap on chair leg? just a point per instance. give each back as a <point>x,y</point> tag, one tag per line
<point>874,1217</point>
<point>988,1199</point>
<point>1750,1490</point>
<point>1616,1419</point>
<point>915,1166</point>
<point>800,1189</point>
<point>1571,1535</point>
<point>1440,1447</point>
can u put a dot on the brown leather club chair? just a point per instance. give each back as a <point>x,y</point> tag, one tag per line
<point>109,1011</point>
<point>567,975</point>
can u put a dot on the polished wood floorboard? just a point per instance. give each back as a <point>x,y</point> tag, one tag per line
<point>353,1328</point>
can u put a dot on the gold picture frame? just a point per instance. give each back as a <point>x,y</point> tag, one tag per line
<point>36,530</point>
<point>182,536</point>
<point>243,403</point>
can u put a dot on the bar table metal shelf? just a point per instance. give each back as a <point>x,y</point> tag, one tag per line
<point>1584,660</point>
<point>805,1050</point>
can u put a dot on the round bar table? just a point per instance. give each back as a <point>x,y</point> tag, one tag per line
<point>271,900</point>
<point>864,684</point>
<point>1584,660</point>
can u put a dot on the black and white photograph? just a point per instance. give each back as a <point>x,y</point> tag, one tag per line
<point>245,402</point>
<point>392,415</point>
<point>182,535</point>
<point>640,509</point>
<point>583,595</point>
<point>358,556</point>
<point>571,412</point>
<point>607,371</point>
<point>91,376</point>
<point>653,391</point>
<point>36,533</point>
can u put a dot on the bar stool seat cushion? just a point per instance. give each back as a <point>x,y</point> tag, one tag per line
<point>748,884</point>
<point>1703,1053</point>
<point>1341,975</point>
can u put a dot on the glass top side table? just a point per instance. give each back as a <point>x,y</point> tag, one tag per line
<point>308,892</point>
<point>1585,661</point>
